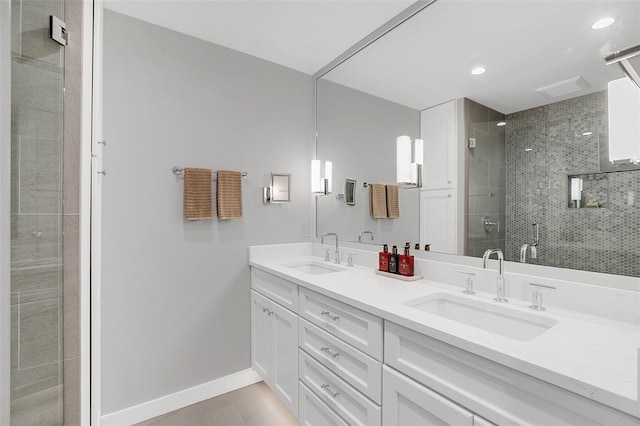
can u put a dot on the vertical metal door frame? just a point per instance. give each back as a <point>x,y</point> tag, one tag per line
<point>5,211</point>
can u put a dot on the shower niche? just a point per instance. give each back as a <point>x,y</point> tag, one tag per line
<point>588,191</point>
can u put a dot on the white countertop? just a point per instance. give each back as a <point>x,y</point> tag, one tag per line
<point>588,355</point>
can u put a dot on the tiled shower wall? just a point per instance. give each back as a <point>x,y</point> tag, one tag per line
<point>45,123</point>
<point>543,147</point>
<point>486,174</point>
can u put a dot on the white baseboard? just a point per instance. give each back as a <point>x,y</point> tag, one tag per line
<point>183,398</point>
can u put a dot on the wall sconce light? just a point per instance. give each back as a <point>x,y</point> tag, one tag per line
<point>321,185</point>
<point>624,126</point>
<point>409,158</point>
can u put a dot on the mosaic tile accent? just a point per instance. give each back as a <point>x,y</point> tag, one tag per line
<point>544,146</point>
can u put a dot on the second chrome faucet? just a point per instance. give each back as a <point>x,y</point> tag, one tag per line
<point>500,280</point>
<point>329,234</point>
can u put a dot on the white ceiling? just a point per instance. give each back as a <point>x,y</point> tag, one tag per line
<point>523,44</point>
<point>299,34</point>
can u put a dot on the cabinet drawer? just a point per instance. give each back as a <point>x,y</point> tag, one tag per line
<point>496,393</point>
<point>359,328</point>
<point>358,369</point>
<point>314,412</point>
<point>275,288</point>
<point>350,404</point>
<point>406,402</point>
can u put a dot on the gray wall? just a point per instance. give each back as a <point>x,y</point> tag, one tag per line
<point>358,132</point>
<point>592,239</point>
<point>175,295</point>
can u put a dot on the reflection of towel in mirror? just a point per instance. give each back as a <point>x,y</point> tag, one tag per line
<point>393,206</point>
<point>198,202</point>
<point>229,194</point>
<point>377,201</point>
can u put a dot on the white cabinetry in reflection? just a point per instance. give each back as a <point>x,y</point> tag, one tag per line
<point>438,220</point>
<point>443,189</point>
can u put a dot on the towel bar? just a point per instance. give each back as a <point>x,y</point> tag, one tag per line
<point>178,171</point>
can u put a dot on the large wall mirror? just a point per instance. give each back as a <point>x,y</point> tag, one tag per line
<point>515,104</point>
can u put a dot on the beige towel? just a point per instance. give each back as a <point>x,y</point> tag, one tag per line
<point>229,194</point>
<point>197,194</point>
<point>377,200</point>
<point>393,206</point>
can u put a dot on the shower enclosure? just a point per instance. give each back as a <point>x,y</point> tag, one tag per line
<point>37,215</point>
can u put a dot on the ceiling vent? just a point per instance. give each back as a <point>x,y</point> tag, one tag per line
<point>563,88</point>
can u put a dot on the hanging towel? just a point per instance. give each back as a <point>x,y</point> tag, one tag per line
<point>198,202</point>
<point>377,201</point>
<point>229,194</point>
<point>393,206</point>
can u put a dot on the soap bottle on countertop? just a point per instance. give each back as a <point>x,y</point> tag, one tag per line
<point>393,260</point>
<point>383,259</point>
<point>406,262</point>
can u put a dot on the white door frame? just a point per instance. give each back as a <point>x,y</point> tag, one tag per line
<point>87,380</point>
<point>95,208</point>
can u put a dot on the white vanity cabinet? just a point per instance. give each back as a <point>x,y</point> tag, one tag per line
<point>274,346</point>
<point>340,358</point>
<point>406,402</point>
<point>482,387</point>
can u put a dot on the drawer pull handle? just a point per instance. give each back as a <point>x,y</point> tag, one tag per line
<point>327,350</point>
<point>267,311</point>
<point>327,390</point>
<point>333,317</point>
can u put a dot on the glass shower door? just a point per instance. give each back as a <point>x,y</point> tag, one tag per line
<point>37,70</point>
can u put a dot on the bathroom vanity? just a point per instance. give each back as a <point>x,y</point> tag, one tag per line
<point>342,345</point>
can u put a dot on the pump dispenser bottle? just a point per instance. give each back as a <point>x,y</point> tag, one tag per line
<point>406,262</point>
<point>393,260</point>
<point>383,259</point>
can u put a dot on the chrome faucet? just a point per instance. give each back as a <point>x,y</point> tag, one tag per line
<point>500,280</point>
<point>523,252</point>
<point>337,261</point>
<point>363,233</point>
<point>533,245</point>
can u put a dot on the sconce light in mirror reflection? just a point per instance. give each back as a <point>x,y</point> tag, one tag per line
<point>409,160</point>
<point>624,122</point>
<point>321,185</point>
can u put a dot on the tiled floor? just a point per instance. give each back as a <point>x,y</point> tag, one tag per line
<point>253,405</point>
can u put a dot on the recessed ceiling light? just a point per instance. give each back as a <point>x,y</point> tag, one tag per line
<point>528,149</point>
<point>587,133</point>
<point>478,71</point>
<point>603,23</point>
<point>501,123</point>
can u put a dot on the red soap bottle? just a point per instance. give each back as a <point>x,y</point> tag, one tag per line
<point>383,259</point>
<point>406,262</point>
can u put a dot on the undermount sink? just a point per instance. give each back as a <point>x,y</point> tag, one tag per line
<point>490,317</point>
<point>315,268</point>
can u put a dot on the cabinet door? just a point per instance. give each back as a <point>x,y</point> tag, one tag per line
<point>439,130</point>
<point>408,403</point>
<point>438,220</point>
<point>285,356</point>
<point>261,343</point>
